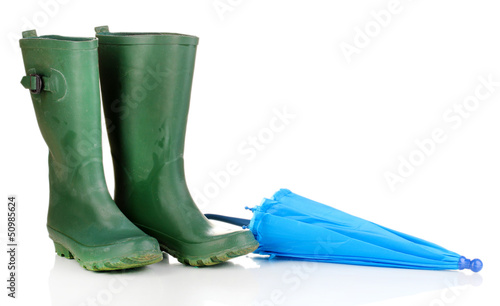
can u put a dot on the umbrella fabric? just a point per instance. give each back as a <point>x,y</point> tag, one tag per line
<point>292,226</point>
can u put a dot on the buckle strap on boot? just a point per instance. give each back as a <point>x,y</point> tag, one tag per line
<point>36,83</point>
<point>33,82</point>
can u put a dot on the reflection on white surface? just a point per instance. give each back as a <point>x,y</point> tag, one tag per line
<point>250,280</point>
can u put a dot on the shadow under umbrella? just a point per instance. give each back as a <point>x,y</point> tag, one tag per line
<point>296,282</point>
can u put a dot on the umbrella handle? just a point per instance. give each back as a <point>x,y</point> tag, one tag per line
<point>230,220</point>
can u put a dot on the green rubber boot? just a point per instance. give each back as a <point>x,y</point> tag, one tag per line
<point>83,221</point>
<point>146,86</point>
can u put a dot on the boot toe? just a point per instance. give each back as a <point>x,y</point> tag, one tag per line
<point>217,249</point>
<point>124,254</point>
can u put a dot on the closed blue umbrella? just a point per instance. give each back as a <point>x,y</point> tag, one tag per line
<point>291,226</point>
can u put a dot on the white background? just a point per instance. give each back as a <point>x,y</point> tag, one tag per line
<point>352,121</point>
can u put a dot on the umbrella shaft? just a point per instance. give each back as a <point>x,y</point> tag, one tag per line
<point>230,220</point>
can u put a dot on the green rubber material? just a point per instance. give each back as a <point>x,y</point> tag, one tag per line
<point>146,86</point>
<point>83,221</point>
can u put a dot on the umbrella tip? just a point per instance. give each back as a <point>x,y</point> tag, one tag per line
<point>475,265</point>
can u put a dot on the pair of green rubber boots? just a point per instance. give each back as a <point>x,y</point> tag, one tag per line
<point>146,83</point>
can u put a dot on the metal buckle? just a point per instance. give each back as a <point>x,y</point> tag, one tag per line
<point>38,84</point>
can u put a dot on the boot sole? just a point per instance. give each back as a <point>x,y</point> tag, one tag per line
<point>211,259</point>
<point>132,259</point>
<point>120,263</point>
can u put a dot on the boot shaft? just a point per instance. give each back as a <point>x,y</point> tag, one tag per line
<point>67,106</point>
<point>146,86</point>
<point>63,77</point>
